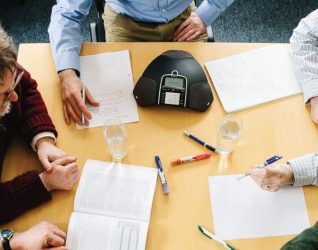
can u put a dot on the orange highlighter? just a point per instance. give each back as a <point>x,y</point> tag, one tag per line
<point>191,158</point>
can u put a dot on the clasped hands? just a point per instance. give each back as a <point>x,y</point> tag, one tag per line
<point>61,170</point>
<point>273,177</point>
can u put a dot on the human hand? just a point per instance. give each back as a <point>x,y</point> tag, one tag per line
<point>314,109</point>
<point>73,104</point>
<point>190,29</point>
<point>39,237</point>
<point>48,153</point>
<point>63,176</point>
<point>273,177</point>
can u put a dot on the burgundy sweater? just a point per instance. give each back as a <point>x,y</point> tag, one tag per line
<point>28,117</point>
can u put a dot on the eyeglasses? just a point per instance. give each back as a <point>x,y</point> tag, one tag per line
<point>16,82</point>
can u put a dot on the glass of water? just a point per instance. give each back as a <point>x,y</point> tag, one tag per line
<point>229,133</point>
<point>115,137</point>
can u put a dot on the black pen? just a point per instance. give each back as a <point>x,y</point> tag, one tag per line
<point>193,137</point>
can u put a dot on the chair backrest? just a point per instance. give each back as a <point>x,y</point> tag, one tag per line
<point>100,6</point>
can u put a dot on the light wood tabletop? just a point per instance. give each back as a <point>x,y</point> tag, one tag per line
<point>280,127</point>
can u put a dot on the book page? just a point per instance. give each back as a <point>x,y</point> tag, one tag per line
<point>241,209</point>
<point>94,232</point>
<point>108,77</point>
<point>253,77</point>
<point>116,190</point>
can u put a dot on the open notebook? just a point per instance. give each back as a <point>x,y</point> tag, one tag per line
<point>112,207</point>
<point>253,77</point>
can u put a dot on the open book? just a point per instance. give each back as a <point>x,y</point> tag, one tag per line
<point>112,207</point>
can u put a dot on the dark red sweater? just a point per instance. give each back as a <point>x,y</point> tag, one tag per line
<point>28,117</point>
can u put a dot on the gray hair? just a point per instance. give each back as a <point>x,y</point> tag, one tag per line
<point>8,54</point>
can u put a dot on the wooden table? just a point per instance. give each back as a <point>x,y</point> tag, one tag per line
<point>283,127</point>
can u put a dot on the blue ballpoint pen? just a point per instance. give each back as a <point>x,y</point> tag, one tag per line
<point>203,143</point>
<point>266,163</point>
<point>162,175</point>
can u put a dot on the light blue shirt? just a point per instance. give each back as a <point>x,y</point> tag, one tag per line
<point>67,16</point>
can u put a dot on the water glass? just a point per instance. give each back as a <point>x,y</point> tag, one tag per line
<point>115,137</point>
<point>229,133</point>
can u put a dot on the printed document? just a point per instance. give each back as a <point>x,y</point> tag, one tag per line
<point>109,79</point>
<point>253,77</point>
<point>241,209</point>
<point>112,207</point>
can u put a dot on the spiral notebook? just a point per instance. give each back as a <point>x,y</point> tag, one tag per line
<point>254,77</point>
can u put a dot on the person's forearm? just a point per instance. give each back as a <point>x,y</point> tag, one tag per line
<point>209,10</point>
<point>33,110</point>
<point>65,32</point>
<point>17,195</point>
<point>305,170</point>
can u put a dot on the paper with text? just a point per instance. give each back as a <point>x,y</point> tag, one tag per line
<point>112,205</point>
<point>242,210</point>
<point>88,231</point>
<point>253,77</point>
<point>109,78</point>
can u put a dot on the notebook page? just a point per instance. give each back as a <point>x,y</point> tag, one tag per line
<point>253,77</point>
<point>108,77</point>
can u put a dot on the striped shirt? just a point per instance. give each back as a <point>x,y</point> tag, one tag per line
<point>304,44</point>
<point>305,170</point>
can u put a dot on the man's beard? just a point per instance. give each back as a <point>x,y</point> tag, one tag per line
<point>5,109</point>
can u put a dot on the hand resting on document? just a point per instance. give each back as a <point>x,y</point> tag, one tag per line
<point>73,104</point>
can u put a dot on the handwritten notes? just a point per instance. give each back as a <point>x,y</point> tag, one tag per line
<point>253,77</point>
<point>108,77</point>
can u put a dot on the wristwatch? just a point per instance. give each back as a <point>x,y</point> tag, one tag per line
<point>5,237</point>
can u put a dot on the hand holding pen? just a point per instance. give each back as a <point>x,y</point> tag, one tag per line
<point>274,177</point>
<point>73,105</point>
<point>266,163</point>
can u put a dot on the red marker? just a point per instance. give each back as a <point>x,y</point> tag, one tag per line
<point>191,158</point>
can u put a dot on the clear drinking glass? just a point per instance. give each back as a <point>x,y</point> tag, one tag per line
<point>115,137</point>
<point>229,133</point>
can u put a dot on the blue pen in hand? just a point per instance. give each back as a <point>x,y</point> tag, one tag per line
<point>263,165</point>
<point>162,175</point>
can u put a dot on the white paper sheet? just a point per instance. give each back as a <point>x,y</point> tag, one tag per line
<point>253,77</point>
<point>241,209</point>
<point>108,77</point>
